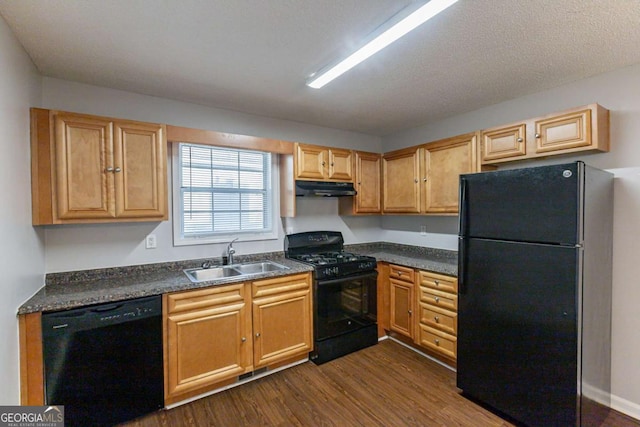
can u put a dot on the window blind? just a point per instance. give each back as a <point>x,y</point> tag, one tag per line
<point>224,190</point>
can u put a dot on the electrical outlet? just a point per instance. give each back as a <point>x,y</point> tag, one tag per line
<point>150,241</point>
<point>423,230</point>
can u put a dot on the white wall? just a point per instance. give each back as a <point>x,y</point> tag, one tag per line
<point>619,91</point>
<point>21,247</point>
<point>93,246</point>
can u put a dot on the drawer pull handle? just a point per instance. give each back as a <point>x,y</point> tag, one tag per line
<point>437,299</point>
<point>437,341</point>
<point>437,319</point>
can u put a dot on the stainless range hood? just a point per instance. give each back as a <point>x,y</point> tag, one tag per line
<point>325,189</point>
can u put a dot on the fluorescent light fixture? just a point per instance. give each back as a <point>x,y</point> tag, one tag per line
<point>412,21</point>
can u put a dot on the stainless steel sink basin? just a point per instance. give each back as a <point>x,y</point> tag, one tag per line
<point>247,269</point>
<point>213,273</point>
<point>259,267</point>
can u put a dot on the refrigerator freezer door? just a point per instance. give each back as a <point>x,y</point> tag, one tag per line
<point>539,204</point>
<point>517,329</point>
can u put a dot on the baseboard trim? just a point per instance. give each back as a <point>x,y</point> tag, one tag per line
<point>625,406</point>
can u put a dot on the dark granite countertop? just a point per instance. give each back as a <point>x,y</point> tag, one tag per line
<point>80,288</point>
<point>436,260</point>
<point>76,289</point>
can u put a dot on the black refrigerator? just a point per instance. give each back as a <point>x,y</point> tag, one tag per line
<point>534,314</point>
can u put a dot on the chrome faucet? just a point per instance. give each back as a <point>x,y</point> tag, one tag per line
<point>231,251</point>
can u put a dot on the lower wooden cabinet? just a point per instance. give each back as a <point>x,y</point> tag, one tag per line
<point>214,335</point>
<point>281,319</point>
<point>423,310</point>
<point>401,296</point>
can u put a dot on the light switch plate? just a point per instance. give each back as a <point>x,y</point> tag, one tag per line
<point>151,242</point>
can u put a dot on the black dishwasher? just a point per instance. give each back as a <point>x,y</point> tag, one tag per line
<point>104,362</point>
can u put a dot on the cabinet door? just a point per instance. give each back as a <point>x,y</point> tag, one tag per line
<point>401,192</point>
<point>83,150</point>
<point>340,165</point>
<point>401,302</point>
<point>563,132</point>
<point>140,170</point>
<point>367,182</point>
<point>208,339</point>
<point>282,325</point>
<point>311,162</point>
<point>444,161</point>
<point>505,142</point>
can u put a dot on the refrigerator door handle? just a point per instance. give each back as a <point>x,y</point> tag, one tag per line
<point>462,260</point>
<point>463,207</point>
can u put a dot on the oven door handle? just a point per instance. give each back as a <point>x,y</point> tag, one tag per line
<point>324,282</point>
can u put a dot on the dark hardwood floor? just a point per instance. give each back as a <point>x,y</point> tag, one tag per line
<point>384,385</point>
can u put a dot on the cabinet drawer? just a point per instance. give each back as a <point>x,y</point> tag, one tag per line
<point>218,295</point>
<point>439,282</point>
<point>438,341</point>
<point>399,272</point>
<point>444,320</point>
<point>563,132</point>
<point>438,298</point>
<point>277,285</point>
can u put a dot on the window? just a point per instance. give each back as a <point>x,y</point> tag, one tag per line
<point>221,192</point>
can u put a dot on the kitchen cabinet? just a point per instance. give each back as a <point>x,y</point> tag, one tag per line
<point>442,164</point>
<point>367,184</point>
<point>437,313</point>
<point>214,335</point>
<point>208,339</point>
<point>402,300</point>
<point>316,163</point>
<point>576,130</point>
<point>400,184</point>
<point>96,169</point>
<point>282,325</point>
<point>424,179</point>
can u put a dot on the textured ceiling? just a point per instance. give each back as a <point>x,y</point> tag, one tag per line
<point>255,56</point>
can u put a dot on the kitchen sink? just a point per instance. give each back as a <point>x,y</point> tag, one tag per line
<point>213,273</point>
<point>203,274</point>
<point>259,267</point>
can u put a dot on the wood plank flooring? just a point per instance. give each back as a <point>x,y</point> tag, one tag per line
<point>383,385</point>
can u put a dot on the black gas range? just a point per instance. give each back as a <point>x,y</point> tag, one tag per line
<point>344,291</point>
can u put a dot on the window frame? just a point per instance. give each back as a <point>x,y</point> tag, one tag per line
<point>180,240</point>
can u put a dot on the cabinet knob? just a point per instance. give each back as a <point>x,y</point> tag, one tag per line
<point>257,334</point>
<point>424,179</point>
<point>117,170</point>
<point>243,339</point>
<point>437,319</point>
<point>109,169</point>
<point>519,140</point>
<point>399,273</point>
<point>537,135</point>
<point>359,183</point>
<point>437,341</point>
<point>410,313</point>
<point>331,164</point>
<point>437,282</point>
<point>437,299</point>
<point>324,163</point>
<point>415,180</point>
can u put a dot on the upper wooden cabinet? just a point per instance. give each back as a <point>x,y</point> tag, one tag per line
<point>425,179</point>
<point>315,163</point>
<point>96,169</point>
<point>400,181</point>
<point>443,163</point>
<point>579,129</point>
<point>367,184</point>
